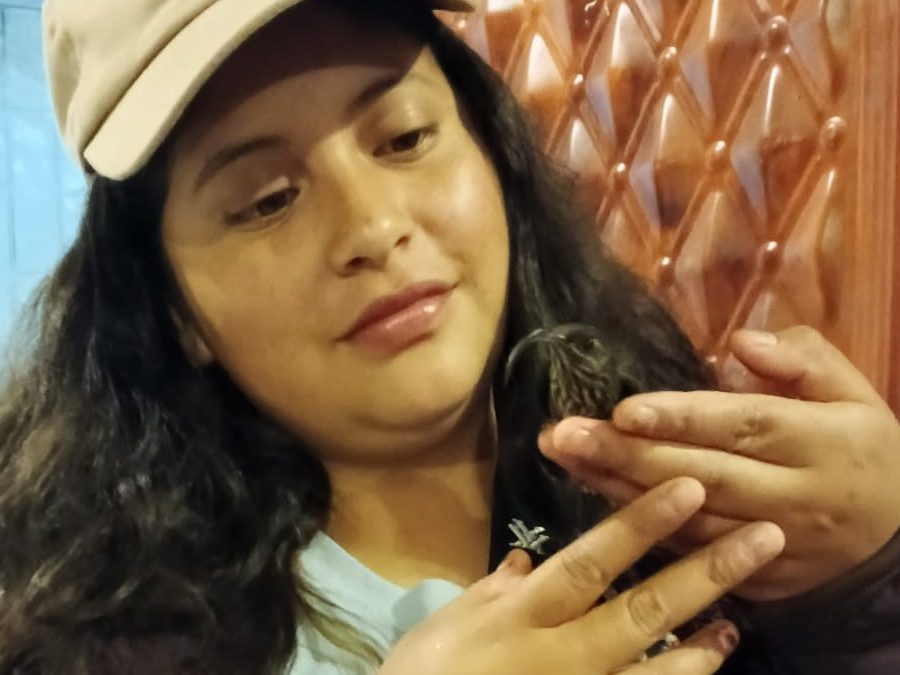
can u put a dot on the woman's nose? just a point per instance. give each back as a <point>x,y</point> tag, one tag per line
<point>367,223</point>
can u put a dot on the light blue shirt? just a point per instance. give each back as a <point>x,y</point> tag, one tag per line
<point>380,610</point>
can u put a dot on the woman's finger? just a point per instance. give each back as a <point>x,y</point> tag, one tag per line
<point>704,528</point>
<point>737,487</point>
<point>644,614</point>
<point>701,654</point>
<point>614,489</point>
<point>571,581</point>
<point>767,428</point>
<point>771,428</point>
<point>801,356</point>
<point>699,530</point>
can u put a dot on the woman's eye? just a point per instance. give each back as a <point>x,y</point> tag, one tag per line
<point>266,208</point>
<point>405,144</point>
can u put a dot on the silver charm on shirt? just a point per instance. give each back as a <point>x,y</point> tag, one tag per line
<point>528,539</point>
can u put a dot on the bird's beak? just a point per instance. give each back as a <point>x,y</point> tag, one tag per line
<point>535,337</point>
<point>543,335</point>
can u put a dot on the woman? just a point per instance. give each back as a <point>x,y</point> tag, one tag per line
<point>263,422</point>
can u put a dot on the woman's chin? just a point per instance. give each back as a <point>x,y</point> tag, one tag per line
<point>403,424</point>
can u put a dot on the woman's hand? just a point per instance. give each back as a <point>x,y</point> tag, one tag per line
<point>824,465</point>
<point>520,622</point>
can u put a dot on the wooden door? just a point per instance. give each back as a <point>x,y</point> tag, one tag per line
<point>742,155</point>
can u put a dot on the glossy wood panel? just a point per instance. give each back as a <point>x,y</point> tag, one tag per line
<point>741,155</point>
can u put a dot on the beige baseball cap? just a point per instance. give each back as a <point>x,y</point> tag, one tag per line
<point>122,72</point>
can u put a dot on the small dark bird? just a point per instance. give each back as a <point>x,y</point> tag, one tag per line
<point>582,375</point>
<point>584,380</point>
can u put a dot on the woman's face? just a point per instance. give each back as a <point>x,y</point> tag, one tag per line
<point>327,165</point>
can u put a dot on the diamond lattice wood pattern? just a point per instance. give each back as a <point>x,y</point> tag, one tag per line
<point>741,155</point>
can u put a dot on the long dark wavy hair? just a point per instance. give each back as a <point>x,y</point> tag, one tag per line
<point>144,501</point>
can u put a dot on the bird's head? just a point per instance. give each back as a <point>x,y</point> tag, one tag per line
<point>563,337</point>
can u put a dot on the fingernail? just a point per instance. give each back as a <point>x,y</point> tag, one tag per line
<point>642,418</point>
<point>766,540</point>
<point>515,560</point>
<point>575,437</point>
<point>684,492</point>
<point>545,438</point>
<point>761,338</point>
<point>728,637</point>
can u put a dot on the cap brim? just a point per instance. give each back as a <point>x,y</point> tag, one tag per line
<point>453,5</point>
<point>151,107</point>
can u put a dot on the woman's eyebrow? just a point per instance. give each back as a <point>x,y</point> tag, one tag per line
<point>230,153</point>
<point>376,88</point>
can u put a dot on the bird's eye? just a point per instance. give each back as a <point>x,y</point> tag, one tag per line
<point>580,341</point>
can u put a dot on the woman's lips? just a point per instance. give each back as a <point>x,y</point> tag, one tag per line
<point>401,329</point>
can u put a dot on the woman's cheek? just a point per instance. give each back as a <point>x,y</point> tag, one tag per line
<point>243,304</point>
<point>466,198</point>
